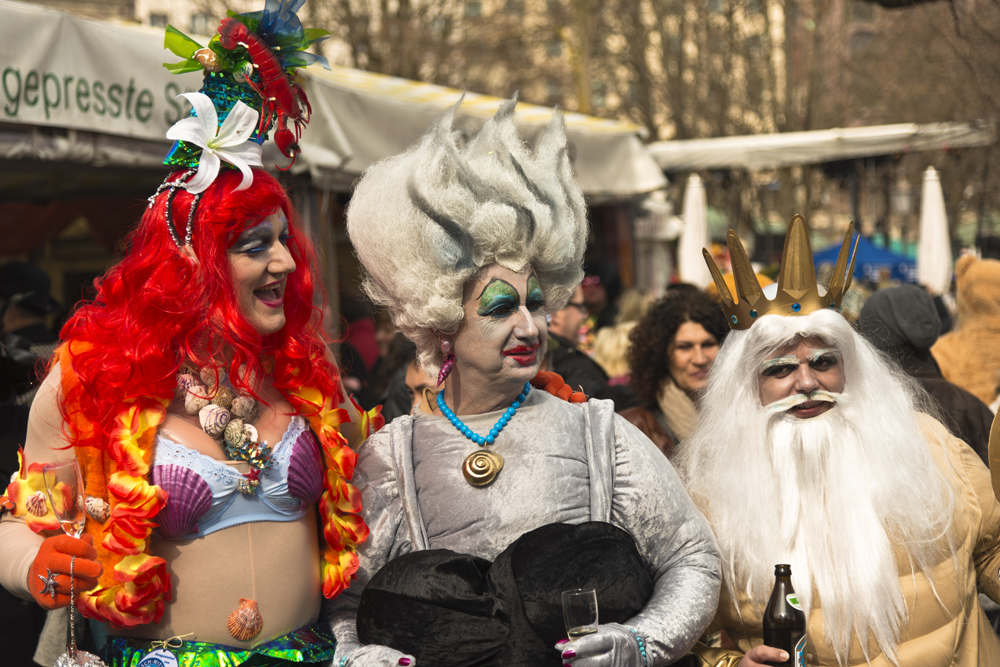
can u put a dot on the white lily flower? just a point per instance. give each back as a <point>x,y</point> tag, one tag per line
<point>231,142</point>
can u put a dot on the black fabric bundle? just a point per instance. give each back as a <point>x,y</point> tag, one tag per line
<point>454,610</point>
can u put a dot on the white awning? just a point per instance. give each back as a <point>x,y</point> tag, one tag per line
<point>104,81</point>
<point>771,151</point>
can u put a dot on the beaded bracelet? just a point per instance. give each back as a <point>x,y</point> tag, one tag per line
<point>343,661</point>
<point>642,645</point>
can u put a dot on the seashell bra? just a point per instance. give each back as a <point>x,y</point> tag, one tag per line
<point>204,493</point>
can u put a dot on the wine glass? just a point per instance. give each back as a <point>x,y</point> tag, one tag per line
<point>580,612</point>
<point>64,485</point>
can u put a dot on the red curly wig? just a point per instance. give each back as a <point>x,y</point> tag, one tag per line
<point>158,308</point>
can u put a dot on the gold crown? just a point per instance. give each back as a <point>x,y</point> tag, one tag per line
<point>797,294</point>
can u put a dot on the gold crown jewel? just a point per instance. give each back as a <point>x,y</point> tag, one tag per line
<point>797,294</point>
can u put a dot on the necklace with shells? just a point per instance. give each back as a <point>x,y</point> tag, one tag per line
<point>228,417</point>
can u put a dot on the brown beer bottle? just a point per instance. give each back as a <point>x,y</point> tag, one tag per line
<point>784,620</point>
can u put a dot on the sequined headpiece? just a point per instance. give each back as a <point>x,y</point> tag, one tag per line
<point>798,293</point>
<point>248,88</point>
<point>252,59</point>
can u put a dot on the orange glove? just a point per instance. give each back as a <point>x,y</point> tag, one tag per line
<point>48,579</point>
<point>555,385</point>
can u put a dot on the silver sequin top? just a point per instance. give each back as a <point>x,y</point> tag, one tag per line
<point>563,462</point>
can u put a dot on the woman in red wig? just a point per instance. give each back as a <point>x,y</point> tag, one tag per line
<point>196,393</point>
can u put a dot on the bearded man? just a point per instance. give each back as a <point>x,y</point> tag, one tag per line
<point>812,450</point>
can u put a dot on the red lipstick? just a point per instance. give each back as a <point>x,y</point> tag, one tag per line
<point>525,355</point>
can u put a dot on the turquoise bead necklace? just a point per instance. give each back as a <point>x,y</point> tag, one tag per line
<point>490,438</point>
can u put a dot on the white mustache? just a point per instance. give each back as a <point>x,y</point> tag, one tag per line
<point>786,404</point>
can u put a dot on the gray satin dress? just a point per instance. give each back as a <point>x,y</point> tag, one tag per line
<point>563,463</point>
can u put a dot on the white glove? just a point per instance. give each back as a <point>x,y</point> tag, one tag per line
<point>374,655</point>
<point>613,645</point>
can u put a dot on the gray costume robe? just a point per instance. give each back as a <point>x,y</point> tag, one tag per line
<point>563,462</point>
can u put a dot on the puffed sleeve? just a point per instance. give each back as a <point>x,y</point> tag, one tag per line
<point>381,508</point>
<point>650,503</point>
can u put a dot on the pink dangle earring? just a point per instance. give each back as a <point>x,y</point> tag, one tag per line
<point>449,362</point>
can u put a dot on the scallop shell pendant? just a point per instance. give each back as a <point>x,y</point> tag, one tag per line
<point>246,622</point>
<point>36,505</point>
<point>482,467</point>
<point>97,509</point>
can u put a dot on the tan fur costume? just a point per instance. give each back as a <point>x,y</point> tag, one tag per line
<point>970,355</point>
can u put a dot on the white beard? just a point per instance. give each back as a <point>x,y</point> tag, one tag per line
<point>828,498</point>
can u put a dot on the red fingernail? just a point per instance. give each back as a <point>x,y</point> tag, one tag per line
<point>404,661</point>
<point>561,642</point>
<point>566,664</point>
<point>569,654</point>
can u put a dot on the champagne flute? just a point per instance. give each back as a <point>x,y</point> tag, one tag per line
<point>580,612</point>
<point>64,486</point>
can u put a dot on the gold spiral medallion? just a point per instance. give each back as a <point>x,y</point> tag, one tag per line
<point>482,467</point>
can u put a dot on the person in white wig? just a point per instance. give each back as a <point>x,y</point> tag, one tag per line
<point>493,499</point>
<point>813,450</point>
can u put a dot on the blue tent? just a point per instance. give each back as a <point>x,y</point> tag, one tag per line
<point>871,261</point>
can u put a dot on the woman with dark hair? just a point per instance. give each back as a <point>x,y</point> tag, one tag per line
<point>672,349</point>
<point>196,395</point>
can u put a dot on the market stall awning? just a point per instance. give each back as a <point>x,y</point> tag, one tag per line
<point>771,151</point>
<point>382,115</point>
<point>100,82</point>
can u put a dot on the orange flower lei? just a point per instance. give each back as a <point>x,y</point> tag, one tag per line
<point>135,584</point>
<point>340,503</point>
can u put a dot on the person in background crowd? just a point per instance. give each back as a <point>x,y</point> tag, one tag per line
<point>359,349</point>
<point>406,388</point>
<point>903,323</point>
<point>385,333</point>
<point>969,355</point>
<point>611,352</point>
<point>811,450</point>
<point>673,347</point>
<point>388,362</point>
<point>577,369</point>
<point>418,381</point>
<point>633,305</point>
<point>390,387</point>
<point>601,285</point>
<point>25,337</point>
<point>26,343</point>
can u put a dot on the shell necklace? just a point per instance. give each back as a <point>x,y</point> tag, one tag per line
<point>482,467</point>
<point>226,416</point>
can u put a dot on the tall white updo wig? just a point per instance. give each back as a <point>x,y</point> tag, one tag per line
<point>425,221</point>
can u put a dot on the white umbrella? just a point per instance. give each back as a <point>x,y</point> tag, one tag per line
<point>934,252</point>
<point>690,263</point>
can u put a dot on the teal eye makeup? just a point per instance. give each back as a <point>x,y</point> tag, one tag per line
<point>498,299</point>
<point>536,298</point>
